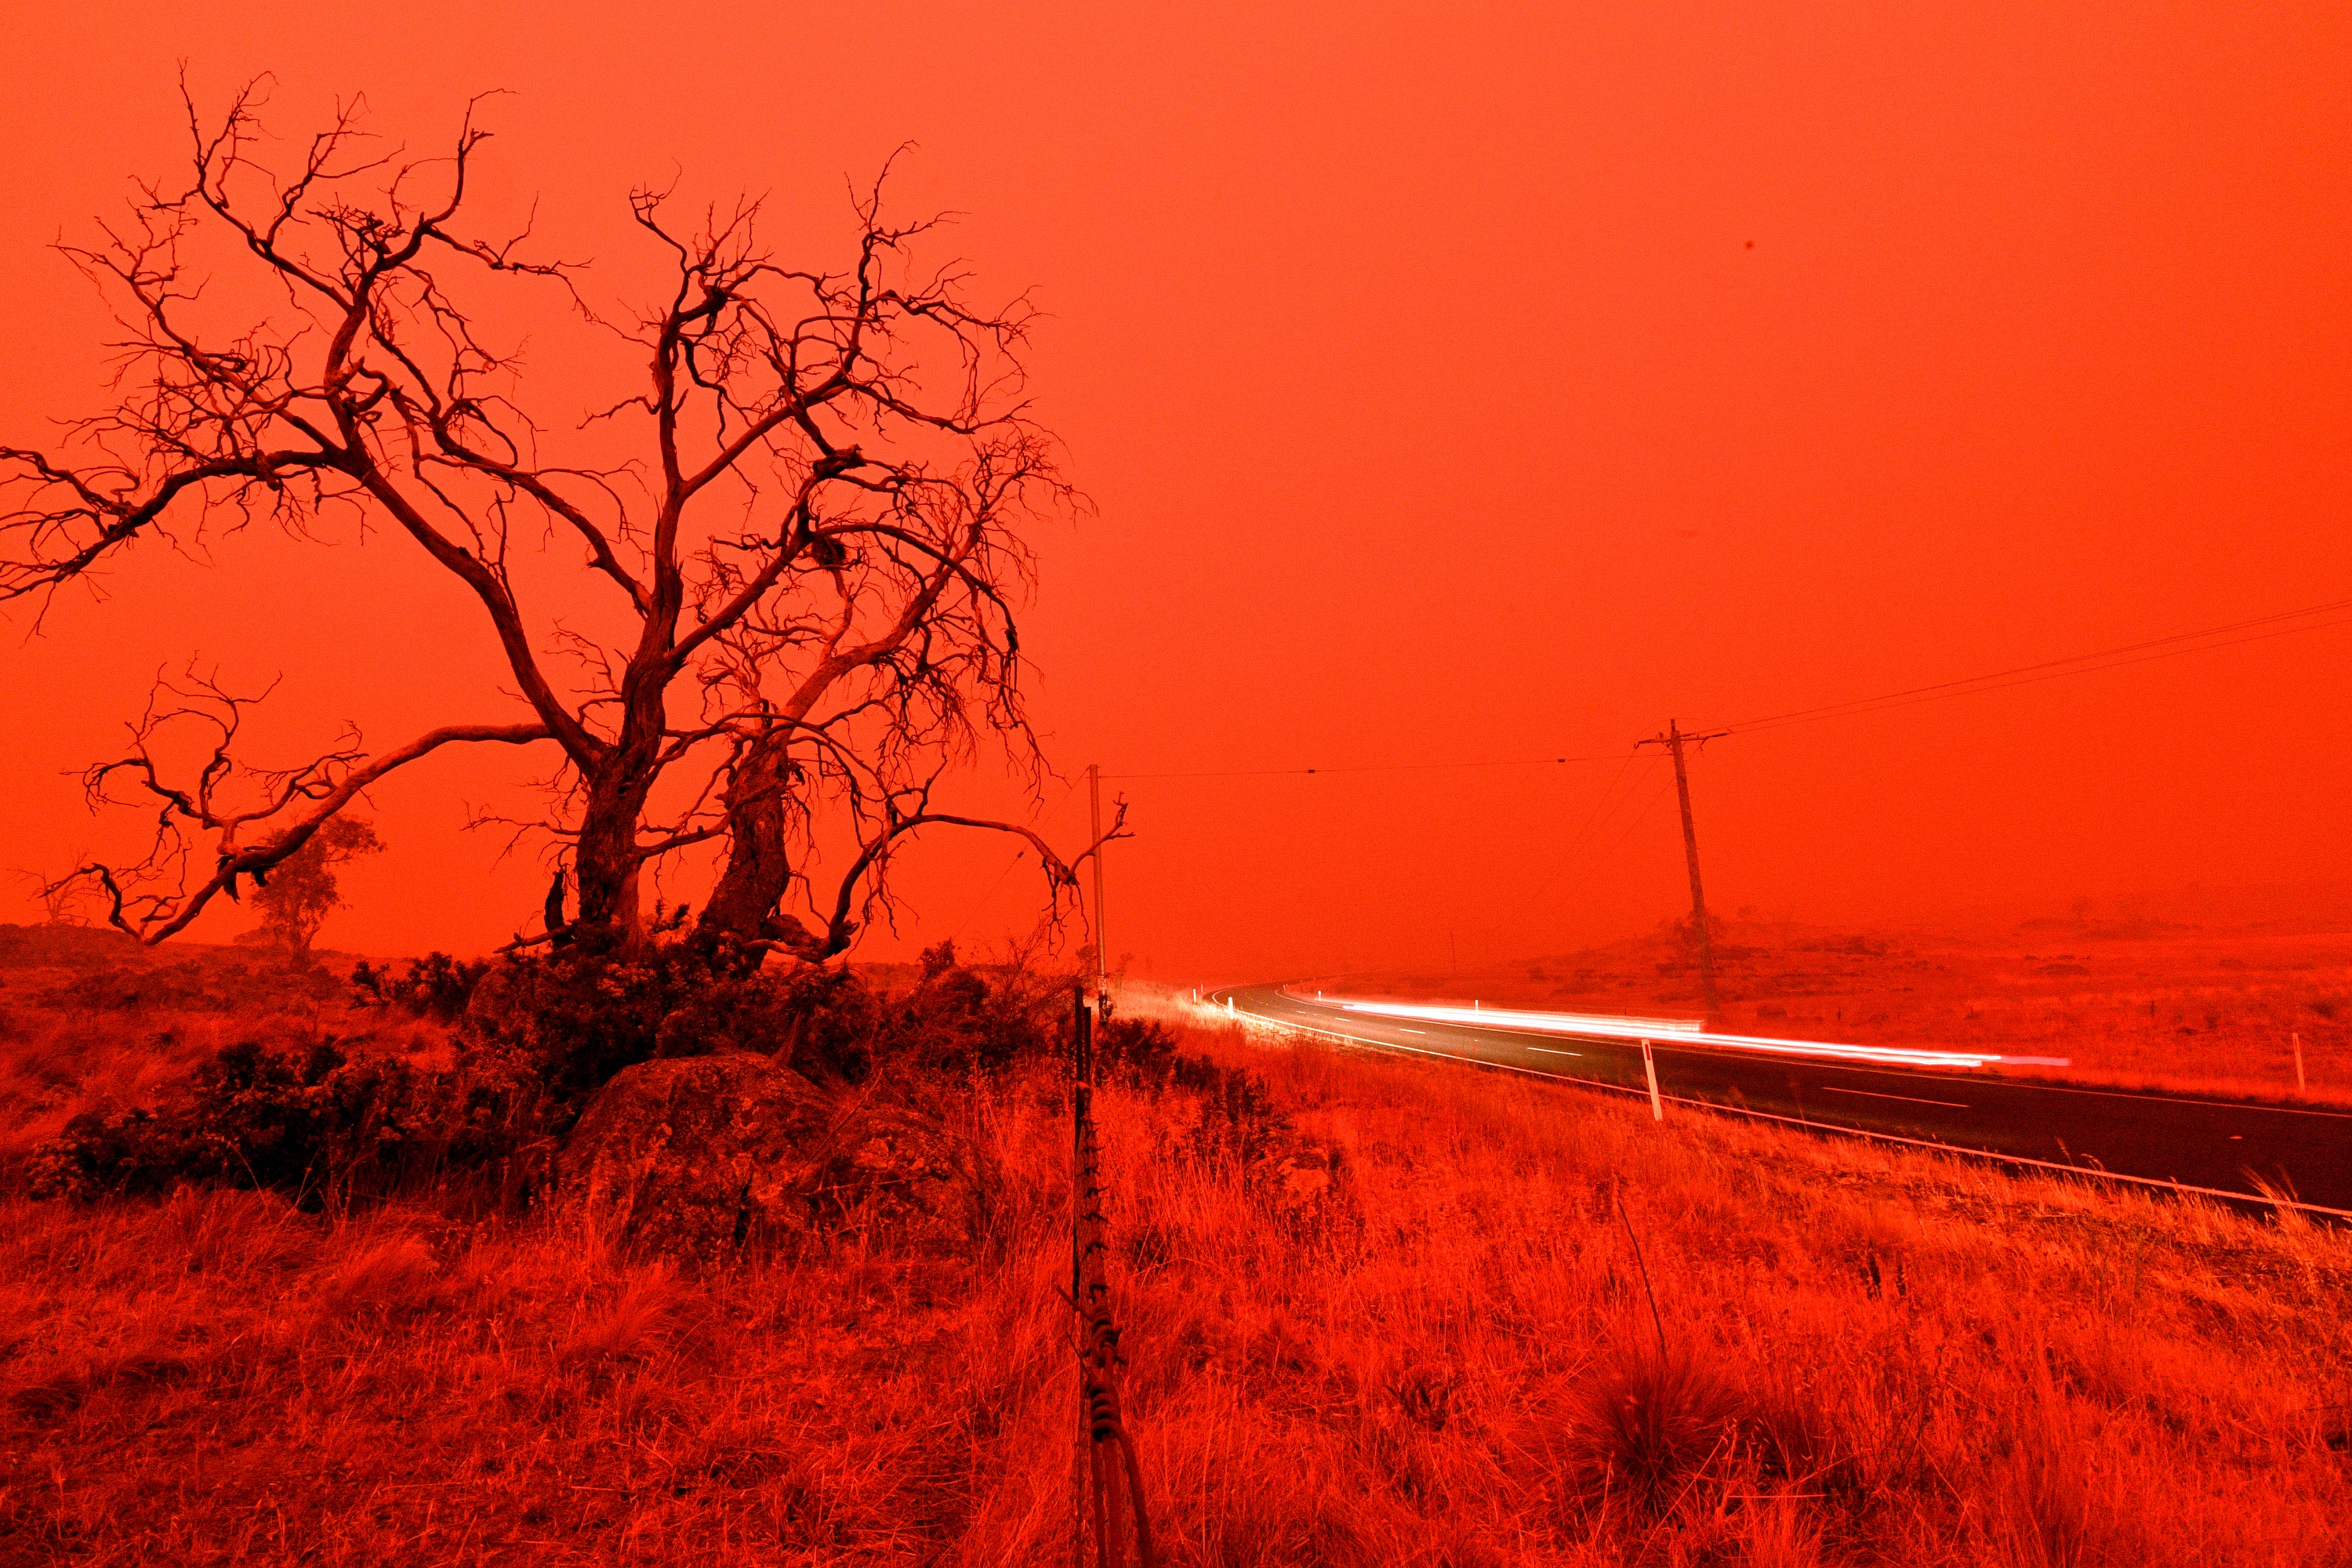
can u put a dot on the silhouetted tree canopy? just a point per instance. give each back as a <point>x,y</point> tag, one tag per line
<point>804,525</point>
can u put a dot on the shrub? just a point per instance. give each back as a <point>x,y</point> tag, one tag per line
<point>569,1020</point>
<point>310,1124</point>
<point>830,1024</point>
<point>955,1022</point>
<point>113,1149</point>
<point>1138,1051</point>
<point>831,1020</point>
<point>748,1014</point>
<point>436,985</point>
<point>1239,1119</point>
<point>258,1112</point>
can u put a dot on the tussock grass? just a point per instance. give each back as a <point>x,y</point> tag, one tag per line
<point>1429,1344</point>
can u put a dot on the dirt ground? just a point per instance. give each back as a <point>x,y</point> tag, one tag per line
<point>2213,994</point>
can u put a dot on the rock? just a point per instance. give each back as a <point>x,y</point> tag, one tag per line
<point>1311,1171</point>
<point>896,1170</point>
<point>695,1156</point>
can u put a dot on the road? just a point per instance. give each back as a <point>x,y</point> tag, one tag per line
<point>2216,1146</point>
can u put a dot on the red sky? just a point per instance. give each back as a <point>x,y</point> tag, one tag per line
<point>1452,384</point>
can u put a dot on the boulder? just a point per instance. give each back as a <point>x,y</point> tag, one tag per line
<point>897,1171</point>
<point>694,1156</point>
<point>1309,1171</point>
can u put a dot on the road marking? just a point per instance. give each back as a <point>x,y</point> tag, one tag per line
<point>1908,1099</point>
<point>1402,1029</point>
<point>1547,1050</point>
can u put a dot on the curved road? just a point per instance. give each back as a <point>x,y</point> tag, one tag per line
<point>2225,1148</point>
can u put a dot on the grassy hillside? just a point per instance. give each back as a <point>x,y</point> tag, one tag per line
<point>1446,1318</point>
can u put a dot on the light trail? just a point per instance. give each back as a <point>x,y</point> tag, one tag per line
<point>1682,1031</point>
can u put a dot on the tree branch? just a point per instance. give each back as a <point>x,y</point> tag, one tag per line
<point>164,915</point>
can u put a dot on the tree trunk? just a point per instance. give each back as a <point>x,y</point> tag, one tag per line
<point>759,871</point>
<point>606,863</point>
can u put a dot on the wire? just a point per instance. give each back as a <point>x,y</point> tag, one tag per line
<point>1044,815</point>
<point>1608,805</point>
<point>1632,824</point>
<point>2171,647</point>
<point>1635,821</point>
<point>1584,855</point>
<point>1371,768</point>
<point>1884,706</point>
<point>2051,670</point>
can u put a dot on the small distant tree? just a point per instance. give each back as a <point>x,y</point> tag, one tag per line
<point>303,890</point>
<point>65,903</point>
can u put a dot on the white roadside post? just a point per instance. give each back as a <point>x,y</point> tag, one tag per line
<point>2298,1038</point>
<point>1650,1065</point>
<point>1228,1006</point>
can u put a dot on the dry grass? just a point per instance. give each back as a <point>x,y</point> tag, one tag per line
<point>1427,1340</point>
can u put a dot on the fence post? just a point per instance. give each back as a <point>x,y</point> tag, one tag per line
<point>1111,1480</point>
<point>1081,1065</point>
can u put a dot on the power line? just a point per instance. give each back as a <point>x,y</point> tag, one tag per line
<point>1591,821</point>
<point>2052,669</point>
<point>1632,824</point>
<point>2172,647</point>
<point>1584,854</point>
<point>1372,768</point>
<point>1606,806</point>
<point>1043,816</point>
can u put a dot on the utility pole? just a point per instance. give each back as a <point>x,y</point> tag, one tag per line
<point>1102,943</point>
<point>1673,740</point>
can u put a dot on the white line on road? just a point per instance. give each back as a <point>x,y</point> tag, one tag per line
<point>1547,1050</point>
<point>1907,1098</point>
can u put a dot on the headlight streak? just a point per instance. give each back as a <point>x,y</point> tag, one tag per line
<point>1684,1031</point>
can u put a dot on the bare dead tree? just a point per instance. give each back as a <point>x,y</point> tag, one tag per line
<point>811,542</point>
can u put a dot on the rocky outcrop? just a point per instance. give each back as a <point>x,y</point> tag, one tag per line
<point>697,1156</point>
